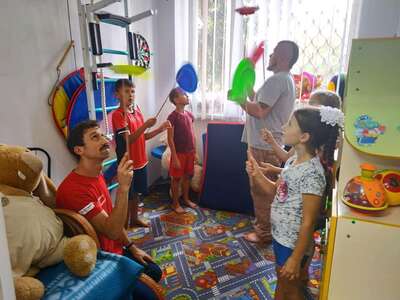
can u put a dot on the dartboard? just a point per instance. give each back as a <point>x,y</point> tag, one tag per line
<point>141,51</point>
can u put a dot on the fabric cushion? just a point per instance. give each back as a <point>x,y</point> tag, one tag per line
<point>34,233</point>
<point>114,277</point>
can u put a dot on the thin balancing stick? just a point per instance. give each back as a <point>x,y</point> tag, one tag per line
<point>127,128</point>
<point>247,126</point>
<point>162,106</point>
<point>127,133</point>
<point>165,101</point>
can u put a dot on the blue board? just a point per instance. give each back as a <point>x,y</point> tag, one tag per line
<point>225,182</point>
<point>72,82</point>
<point>79,109</point>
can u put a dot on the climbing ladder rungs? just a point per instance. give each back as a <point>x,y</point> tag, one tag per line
<point>108,80</point>
<point>109,162</point>
<point>100,4</point>
<point>112,19</point>
<point>142,15</point>
<point>108,108</point>
<point>104,65</point>
<point>116,52</point>
<point>113,186</point>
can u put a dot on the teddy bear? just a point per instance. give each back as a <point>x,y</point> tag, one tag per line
<point>35,235</point>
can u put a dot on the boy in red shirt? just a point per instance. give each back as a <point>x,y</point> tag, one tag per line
<point>183,150</point>
<point>132,127</point>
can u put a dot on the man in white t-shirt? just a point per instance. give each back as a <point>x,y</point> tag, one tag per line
<point>269,108</point>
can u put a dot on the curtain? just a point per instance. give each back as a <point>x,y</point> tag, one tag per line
<point>217,38</point>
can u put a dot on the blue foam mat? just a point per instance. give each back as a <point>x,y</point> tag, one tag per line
<point>225,182</point>
<point>79,110</point>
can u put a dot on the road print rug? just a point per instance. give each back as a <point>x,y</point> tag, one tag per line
<point>203,254</point>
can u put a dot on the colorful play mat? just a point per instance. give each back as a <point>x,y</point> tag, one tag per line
<point>203,254</point>
<point>69,107</point>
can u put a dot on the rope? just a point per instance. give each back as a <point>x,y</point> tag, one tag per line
<point>103,100</point>
<point>70,34</point>
<point>127,127</point>
<point>54,88</point>
<point>60,63</point>
<point>58,70</point>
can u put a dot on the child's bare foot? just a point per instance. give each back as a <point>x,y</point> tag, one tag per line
<point>139,223</point>
<point>190,203</point>
<point>252,237</point>
<point>177,208</point>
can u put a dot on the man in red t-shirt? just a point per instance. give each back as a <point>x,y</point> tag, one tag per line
<point>129,127</point>
<point>84,190</point>
<point>183,150</point>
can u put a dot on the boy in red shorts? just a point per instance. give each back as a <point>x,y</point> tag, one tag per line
<point>183,150</point>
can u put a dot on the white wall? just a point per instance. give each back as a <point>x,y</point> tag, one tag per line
<point>379,18</point>
<point>34,35</point>
<point>163,68</point>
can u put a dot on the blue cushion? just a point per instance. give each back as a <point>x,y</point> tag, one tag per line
<point>114,276</point>
<point>157,152</point>
<point>225,182</point>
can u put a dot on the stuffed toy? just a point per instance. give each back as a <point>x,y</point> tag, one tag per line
<point>306,83</point>
<point>35,234</point>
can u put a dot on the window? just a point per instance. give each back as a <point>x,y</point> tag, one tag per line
<point>222,36</point>
<point>213,19</point>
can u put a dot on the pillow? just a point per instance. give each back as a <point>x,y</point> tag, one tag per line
<point>34,233</point>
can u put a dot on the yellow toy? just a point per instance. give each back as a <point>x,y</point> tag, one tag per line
<point>35,234</point>
<point>390,180</point>
<point>364,192</point>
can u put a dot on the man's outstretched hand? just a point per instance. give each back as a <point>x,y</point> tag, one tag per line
<point>125,172</point>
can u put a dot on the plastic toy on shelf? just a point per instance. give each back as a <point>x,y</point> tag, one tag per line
<point>365,193</point>
<point>390,180</point>
<point>363,230</point>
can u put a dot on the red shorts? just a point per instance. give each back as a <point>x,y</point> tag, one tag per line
<point>187,165</point>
